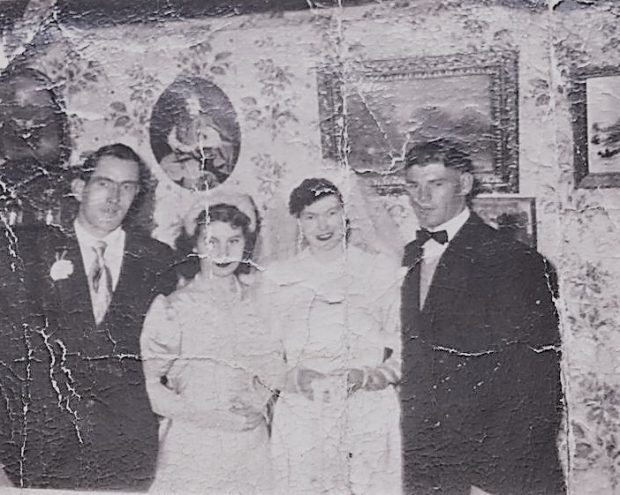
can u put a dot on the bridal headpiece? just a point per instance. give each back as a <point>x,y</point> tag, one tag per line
<point>243,202</point>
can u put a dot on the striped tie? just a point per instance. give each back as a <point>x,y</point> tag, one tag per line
<point>101,281</point>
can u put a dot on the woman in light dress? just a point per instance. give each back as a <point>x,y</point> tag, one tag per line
<point>336,422</point>
<point>207,355</point>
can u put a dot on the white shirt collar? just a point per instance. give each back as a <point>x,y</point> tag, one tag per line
<point>113,256</point>
<point>453,225</point>
<point>86,238</point>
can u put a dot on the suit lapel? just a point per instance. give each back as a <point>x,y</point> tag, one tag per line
<point>410,290</point>
<point>73,293</point>
<point>131,272</point>
<point>125,304</point>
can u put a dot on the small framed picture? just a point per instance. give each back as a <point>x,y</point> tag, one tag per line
<point>595,105</point>
<point>510,215</point>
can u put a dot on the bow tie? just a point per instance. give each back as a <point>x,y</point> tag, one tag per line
<point>424,235</point>
<point>413,250</point>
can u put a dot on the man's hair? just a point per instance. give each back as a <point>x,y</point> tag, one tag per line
<point>445,151</point>
<point>310,191</point>
<point>139,216</point>
<point>117,150</point>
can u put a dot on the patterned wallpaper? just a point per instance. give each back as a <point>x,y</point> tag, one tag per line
<point>111,78</point>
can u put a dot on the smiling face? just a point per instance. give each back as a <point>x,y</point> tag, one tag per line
<point>437,193</point>
<point>323,224</point>
<point>220,247</point>
<point>107,196</point>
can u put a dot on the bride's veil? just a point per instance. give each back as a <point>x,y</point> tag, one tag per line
<point>371,227</point>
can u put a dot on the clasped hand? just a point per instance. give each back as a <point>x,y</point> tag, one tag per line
<point>356,379</point>
<point>253,416</point>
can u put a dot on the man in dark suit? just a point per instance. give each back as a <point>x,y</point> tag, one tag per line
<point>12,364</point>
<point>89,423</point>
<point>480,391</point>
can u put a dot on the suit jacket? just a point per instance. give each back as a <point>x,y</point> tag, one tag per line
<point>480,391</point>
<point>12,346</point>
<point>89,422</point>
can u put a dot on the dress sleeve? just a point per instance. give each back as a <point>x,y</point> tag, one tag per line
<point>387,285</point>
<point>160,343</point>
<point>271,368</point>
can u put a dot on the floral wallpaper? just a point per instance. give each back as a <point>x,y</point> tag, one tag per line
<point>111,77</point>
<point>588,220</point>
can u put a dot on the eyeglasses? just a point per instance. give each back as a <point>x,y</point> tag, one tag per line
<point>126,187</point>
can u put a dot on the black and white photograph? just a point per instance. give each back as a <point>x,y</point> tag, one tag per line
<point>309,248</point>
<point>392,104</point>
<point>194,134</point>
<point>510,215</point>
<point>597,127</point>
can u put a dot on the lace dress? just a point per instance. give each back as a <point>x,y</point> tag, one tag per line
<point>200,357</point>
<point>334,316</point>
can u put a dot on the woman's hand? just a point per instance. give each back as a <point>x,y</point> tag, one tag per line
<point>355,378</point>
<point>253,417</point>
<point>178,379</point>
<point>304,379</point>
<point>366,379</point>
<point>376,380</point>
<point>300,380</point>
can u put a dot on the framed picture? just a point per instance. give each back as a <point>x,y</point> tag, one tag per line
<point>374,111</point>
<point>515,217</point>
<point>512,216</point>
<point>195,134</point>
<point>595,104</point>
<point>34,147</point>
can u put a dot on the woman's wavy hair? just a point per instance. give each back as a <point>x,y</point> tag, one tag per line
<point>220,212</point>
<point>309,192</point>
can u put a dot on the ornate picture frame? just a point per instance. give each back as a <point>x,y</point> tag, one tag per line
<point>371,111</point>
<point>595,107</point>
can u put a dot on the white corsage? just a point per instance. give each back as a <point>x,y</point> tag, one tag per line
<point>62,268</point>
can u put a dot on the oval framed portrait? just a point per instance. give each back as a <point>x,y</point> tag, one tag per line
<point>195,134</point>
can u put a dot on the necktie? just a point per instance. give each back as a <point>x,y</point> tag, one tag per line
<point>423,235</point>
<point>101,280</point>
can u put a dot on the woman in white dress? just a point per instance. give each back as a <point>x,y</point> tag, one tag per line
<point>206,356</point>
<point>336,422</point>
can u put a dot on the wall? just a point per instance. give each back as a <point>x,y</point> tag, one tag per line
<point>110,78</point>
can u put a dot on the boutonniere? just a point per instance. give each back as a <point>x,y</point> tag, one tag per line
<point>62,267</point>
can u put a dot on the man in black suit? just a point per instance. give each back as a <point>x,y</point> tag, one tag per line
<point>89,423</point>
<point>12,362</point>
<point>480,391</point>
